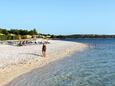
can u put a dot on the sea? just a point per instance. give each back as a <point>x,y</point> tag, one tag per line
<point>93,66</point>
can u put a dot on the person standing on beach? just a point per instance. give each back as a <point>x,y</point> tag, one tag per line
<point>44,50</point>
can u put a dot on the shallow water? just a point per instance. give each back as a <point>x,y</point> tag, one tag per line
<point>95,66</point>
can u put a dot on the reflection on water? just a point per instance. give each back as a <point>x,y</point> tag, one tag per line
<point>93,67</point>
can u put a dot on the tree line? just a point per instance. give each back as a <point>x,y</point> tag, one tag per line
<point>84,36</point>
<point>13,34</point>
<point>19,31</point>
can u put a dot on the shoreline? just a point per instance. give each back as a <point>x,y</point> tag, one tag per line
<point>61,50</point>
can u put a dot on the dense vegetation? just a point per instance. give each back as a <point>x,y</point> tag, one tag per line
<point>16,33</point>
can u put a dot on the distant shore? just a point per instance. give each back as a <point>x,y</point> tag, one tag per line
<point>15,61</point>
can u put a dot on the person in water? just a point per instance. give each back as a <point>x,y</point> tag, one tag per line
<point>44,50</point>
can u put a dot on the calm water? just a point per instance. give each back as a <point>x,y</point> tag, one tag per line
<point>95,66</point>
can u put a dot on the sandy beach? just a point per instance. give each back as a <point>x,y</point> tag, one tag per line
<point>15,61</point>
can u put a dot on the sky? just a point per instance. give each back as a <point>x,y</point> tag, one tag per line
<point>59,16</point>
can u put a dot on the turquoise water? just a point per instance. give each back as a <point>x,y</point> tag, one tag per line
<point>95,66</point>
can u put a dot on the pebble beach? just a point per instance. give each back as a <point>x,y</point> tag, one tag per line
<point>17,60</point>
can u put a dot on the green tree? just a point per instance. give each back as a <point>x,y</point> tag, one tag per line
<point>3,31</point>
<point>14,31</point>
<point>33,32</point>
